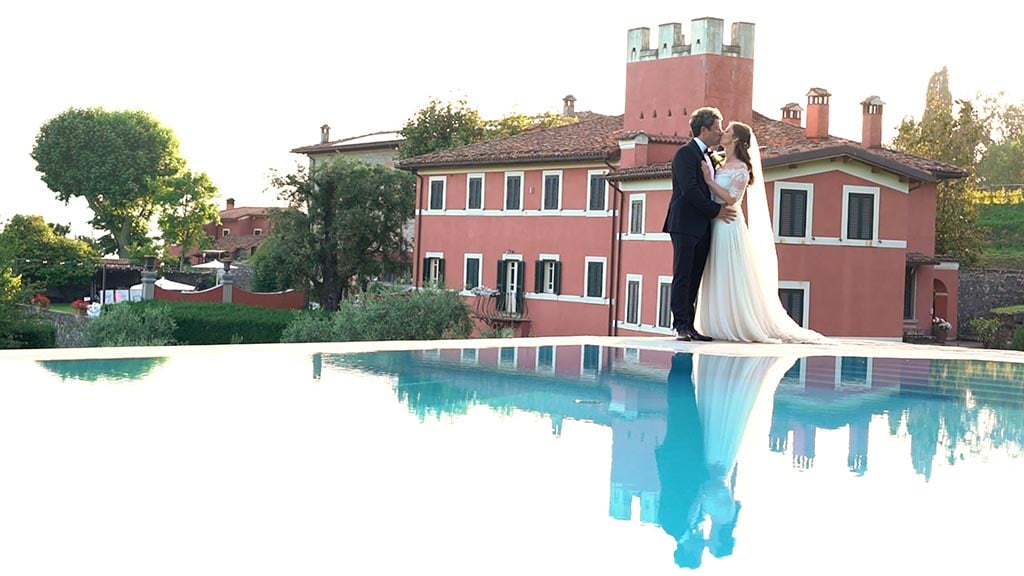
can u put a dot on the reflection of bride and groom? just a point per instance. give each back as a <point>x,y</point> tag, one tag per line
<point>697,459</point>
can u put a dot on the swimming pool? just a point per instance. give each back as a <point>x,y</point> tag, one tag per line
<point>567,458</point>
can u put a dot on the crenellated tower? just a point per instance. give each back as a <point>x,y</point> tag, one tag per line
<point>664,84</point>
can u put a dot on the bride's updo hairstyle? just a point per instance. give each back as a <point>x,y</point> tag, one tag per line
<point>741,133</point>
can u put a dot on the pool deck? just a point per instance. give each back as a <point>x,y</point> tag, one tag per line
<point>842,347</point>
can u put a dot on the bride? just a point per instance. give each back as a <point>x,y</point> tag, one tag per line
<point>738,298</point>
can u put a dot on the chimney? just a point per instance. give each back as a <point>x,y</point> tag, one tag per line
<point>569,105</point>
<point>792,114</point>
<point>325,134</point>
<point>817,113</point>
<point>231,204</point>
<point>871,134</point>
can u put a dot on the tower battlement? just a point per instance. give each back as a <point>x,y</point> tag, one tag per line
<point>707,36</point>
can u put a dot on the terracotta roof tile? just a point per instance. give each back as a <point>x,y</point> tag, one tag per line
<point>784,143</point>
<point>243,211</point>
<point>385,139</point>
<point>233,242</point>
<point>593,137</point>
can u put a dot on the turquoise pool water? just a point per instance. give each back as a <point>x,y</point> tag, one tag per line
<point>573,459</point>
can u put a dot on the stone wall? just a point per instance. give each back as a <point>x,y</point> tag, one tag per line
<point>981,290</point>
<point>69,327</point>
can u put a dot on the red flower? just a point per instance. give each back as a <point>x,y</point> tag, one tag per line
<point>79,304</point>
<point>40,300</point>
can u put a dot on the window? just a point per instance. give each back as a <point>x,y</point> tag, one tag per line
<point>475,192</point>
<point>591,358</point>
<point>795,374</point>
<point>470,355</point>
<point>513,191</point>
<point>547,275</point>
<point>437,193</point>
<point>433,269</point>
<point>909,289</point>
<point>854,371</point>
<point>634,282</point>
<point>471,275</point>
<point>664,301</point>
<point>225,232</point>
<point>636,213</point>
<point>792,212</point>
<point>597,198</point>
<point>594,280</point>
<point>507,357</point>
<point>552,191</point>
<point>546,359</point>
<point>511,274</point>
<point>257,231</point>
<point>860,216</point>
<point>793,302</point>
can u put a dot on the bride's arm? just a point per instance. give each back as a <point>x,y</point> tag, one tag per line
<point>724,193</point>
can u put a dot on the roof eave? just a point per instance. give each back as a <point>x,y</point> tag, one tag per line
<point>862,155</point>
<point>504,160</point>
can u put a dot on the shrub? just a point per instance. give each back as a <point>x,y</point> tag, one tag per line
<point>224,323</point>
<point>1017,342</point>
<point>987,330</point>
<point>429,314</point>
<point>130,324</point>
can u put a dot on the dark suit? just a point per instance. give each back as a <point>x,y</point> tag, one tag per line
<point>682,463</point>
<point>688,221</point>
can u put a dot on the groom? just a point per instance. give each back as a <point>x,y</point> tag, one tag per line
<point>688,221</point>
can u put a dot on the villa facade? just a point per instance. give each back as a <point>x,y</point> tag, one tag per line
<point>563,225</point>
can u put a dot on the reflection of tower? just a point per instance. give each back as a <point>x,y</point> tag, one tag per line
<point>318,364</point>
<point>803,446</point>
<point>778,434</point>
<point>556,424</point>
<point>638,427</point>
<point>857,458</point>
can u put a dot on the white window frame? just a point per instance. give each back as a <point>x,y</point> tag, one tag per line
<point>225,233</point>
<point>431,278</point>
<point>444,192</point>
<point>473,358</point>
<point>257,231</point>
<point>639,279</point>
<point>469,178</point>
<point>845,230</point>
<point>591,372</point>
<point>586,277</point>
<point>515,358</point>
<point>777,201</point>
<point>522,185</point>
<point>465,269</point>
<point>643,214</point>
<point>543,189</point>
<point>590,176</point>
<point>662,280</point>
<point>544,269</point>
<point>806,288</point>
<point>868,373</point>
<point>554,353</point>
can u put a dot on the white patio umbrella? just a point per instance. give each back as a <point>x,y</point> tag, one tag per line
<point>214,265</point>
<point>168,285</point>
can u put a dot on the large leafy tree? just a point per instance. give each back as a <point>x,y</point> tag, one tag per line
<point>344,224</point>
<point>118,161</point>
<point>954,133</point>
<point>42,258</point>
<point>185,206</point>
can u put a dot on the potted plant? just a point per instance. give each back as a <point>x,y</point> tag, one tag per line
<point>940,329</point>
<point>80,306</point>
<point>40,301</point>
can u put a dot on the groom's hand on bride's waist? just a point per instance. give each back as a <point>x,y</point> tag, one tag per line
<point>727,214</point>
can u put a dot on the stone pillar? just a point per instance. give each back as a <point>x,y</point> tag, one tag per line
<point>227,282</point>
<point>148,282</point>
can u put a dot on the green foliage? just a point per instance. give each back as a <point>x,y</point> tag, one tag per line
<point>185,206</point>
<point>130,324</point>
<point>344,223</point>
<point>440,126</point>
<point>198,323</point>
<point>987,330</point>
<point>421,315</point>
<point>44,259</point>
<point>1017,341</point>
<point>34,333</point>
<point>1004,226</point>
<point>1009,309</point>
<point>956,140</point>
<point>119,162</point>
<point>100,369</point>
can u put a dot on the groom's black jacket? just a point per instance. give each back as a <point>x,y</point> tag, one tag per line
<point>691,208</point>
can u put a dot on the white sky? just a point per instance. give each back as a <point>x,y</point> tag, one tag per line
<point>241,86</point>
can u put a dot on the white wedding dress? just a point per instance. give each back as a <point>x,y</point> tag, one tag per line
<point>738,298</point>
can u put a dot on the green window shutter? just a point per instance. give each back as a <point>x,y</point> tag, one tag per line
<point>558,277</point>
<point>538,278</point>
